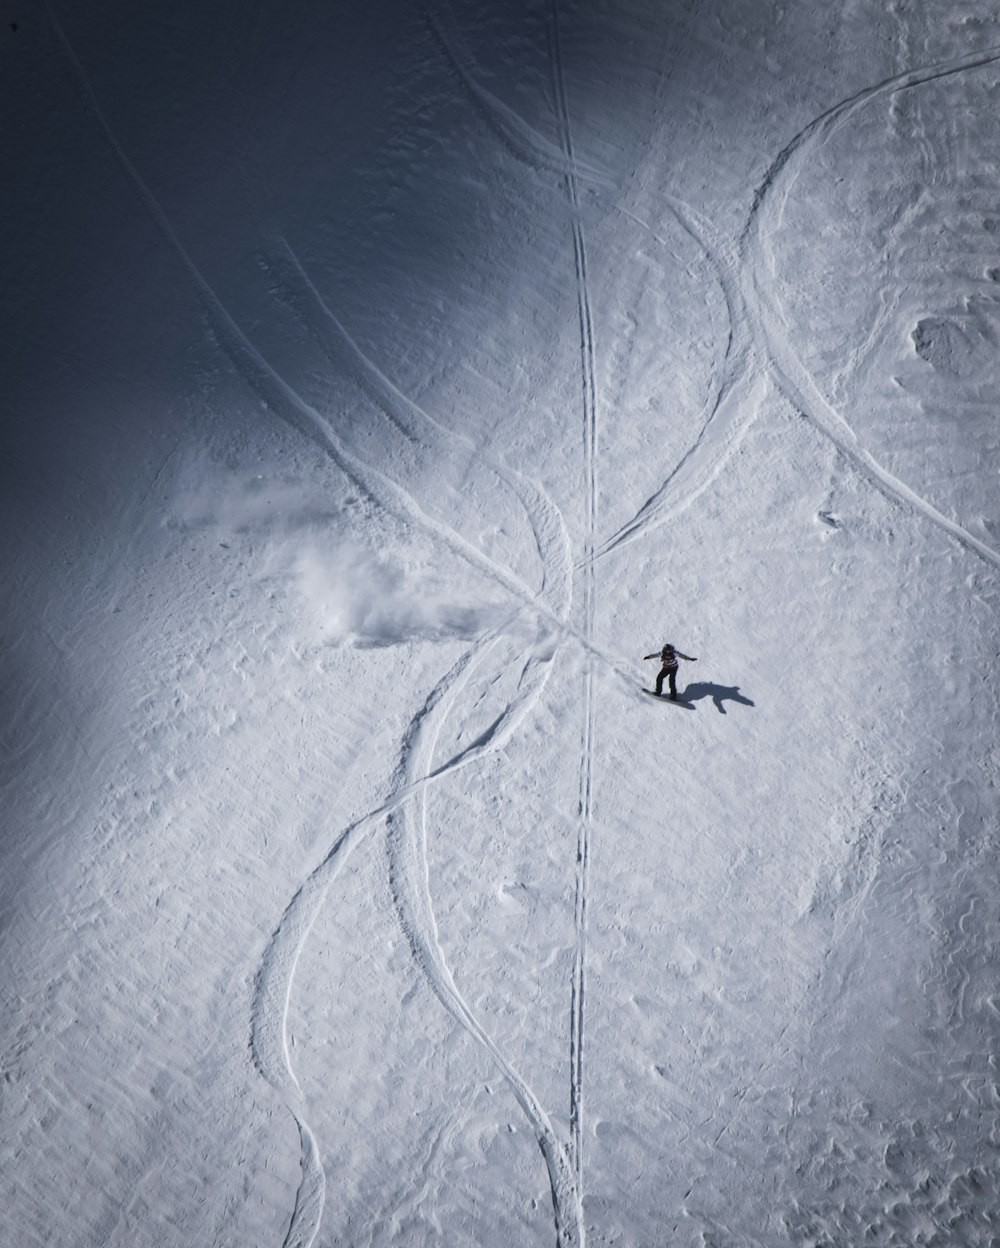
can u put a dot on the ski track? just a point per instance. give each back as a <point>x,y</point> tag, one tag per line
<point>275,978</point>
<point>409,878</point>
<point>409,869</point>
<point>282,399</point>
<point>586,786</point>
<point>516,134</point>
<point>755,318</point>
<point>758,342</point>
<point>548,527</point>
<point>407,840</point>
<point>756,250</point>
<point>276,975</point>
<point>719,434</point>
<point>726,422</point>
<point>286,403</point>
<point>733,399</point>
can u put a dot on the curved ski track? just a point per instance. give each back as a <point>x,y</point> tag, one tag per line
<point>287,404</point>
<point>740,384</point>
<point>408,862</point>
<point>750,304</point>
<point>732,402</point>
<point>551,538</point>
<point>737,396</point>
<point>756,250</point>
<point>269,1039</point>
<point>409,877</point>
<point>758,346</point>
<point>275,978</point>
<point>281,398</point>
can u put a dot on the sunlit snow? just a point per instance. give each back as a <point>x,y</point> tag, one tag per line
<point>381,383</point>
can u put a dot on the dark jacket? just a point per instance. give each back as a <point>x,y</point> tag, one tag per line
<point>669,656</point>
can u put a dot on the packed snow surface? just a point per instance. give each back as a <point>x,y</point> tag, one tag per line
<point>382,382</point>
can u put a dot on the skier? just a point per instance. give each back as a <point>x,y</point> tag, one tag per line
<point>668,657</point>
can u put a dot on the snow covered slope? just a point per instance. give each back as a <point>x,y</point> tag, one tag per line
<point>382,382</point>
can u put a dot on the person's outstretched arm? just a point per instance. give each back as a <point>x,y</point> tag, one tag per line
<point>649,656</point>
<point>690,657</point>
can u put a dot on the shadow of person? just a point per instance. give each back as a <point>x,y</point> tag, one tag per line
<point>718,694</point>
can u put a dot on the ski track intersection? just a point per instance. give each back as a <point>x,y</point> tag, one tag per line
<point>352,884</point>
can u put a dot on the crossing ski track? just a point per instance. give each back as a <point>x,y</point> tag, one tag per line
<point>415,773</point>
<point>275,979</point>
<point>759,343</point>
<point>408,835</point>
<point>548,526</point>
<point>734,398</point>
<point>758,262</point>
<point>737,395</point>
<point>757,329</point>
<point>276,973</point>
<point>280,397</point>
<point>409,879</point>
<point>514,132</point>
<point>407,841</point>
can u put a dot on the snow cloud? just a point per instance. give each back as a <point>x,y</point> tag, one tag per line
<point>354,595</point>
<point>349,582</point>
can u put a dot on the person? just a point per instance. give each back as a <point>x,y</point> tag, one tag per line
<point>668,657</point>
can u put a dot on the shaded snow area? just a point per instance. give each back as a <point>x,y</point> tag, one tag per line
<point>381,382</point>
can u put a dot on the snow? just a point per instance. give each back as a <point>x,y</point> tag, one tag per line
<point>381,385</point>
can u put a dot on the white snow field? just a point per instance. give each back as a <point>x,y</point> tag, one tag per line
<point>381,382</point>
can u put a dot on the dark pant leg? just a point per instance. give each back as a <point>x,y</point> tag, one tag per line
<point>659,681</point>
<point>672,676</point>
